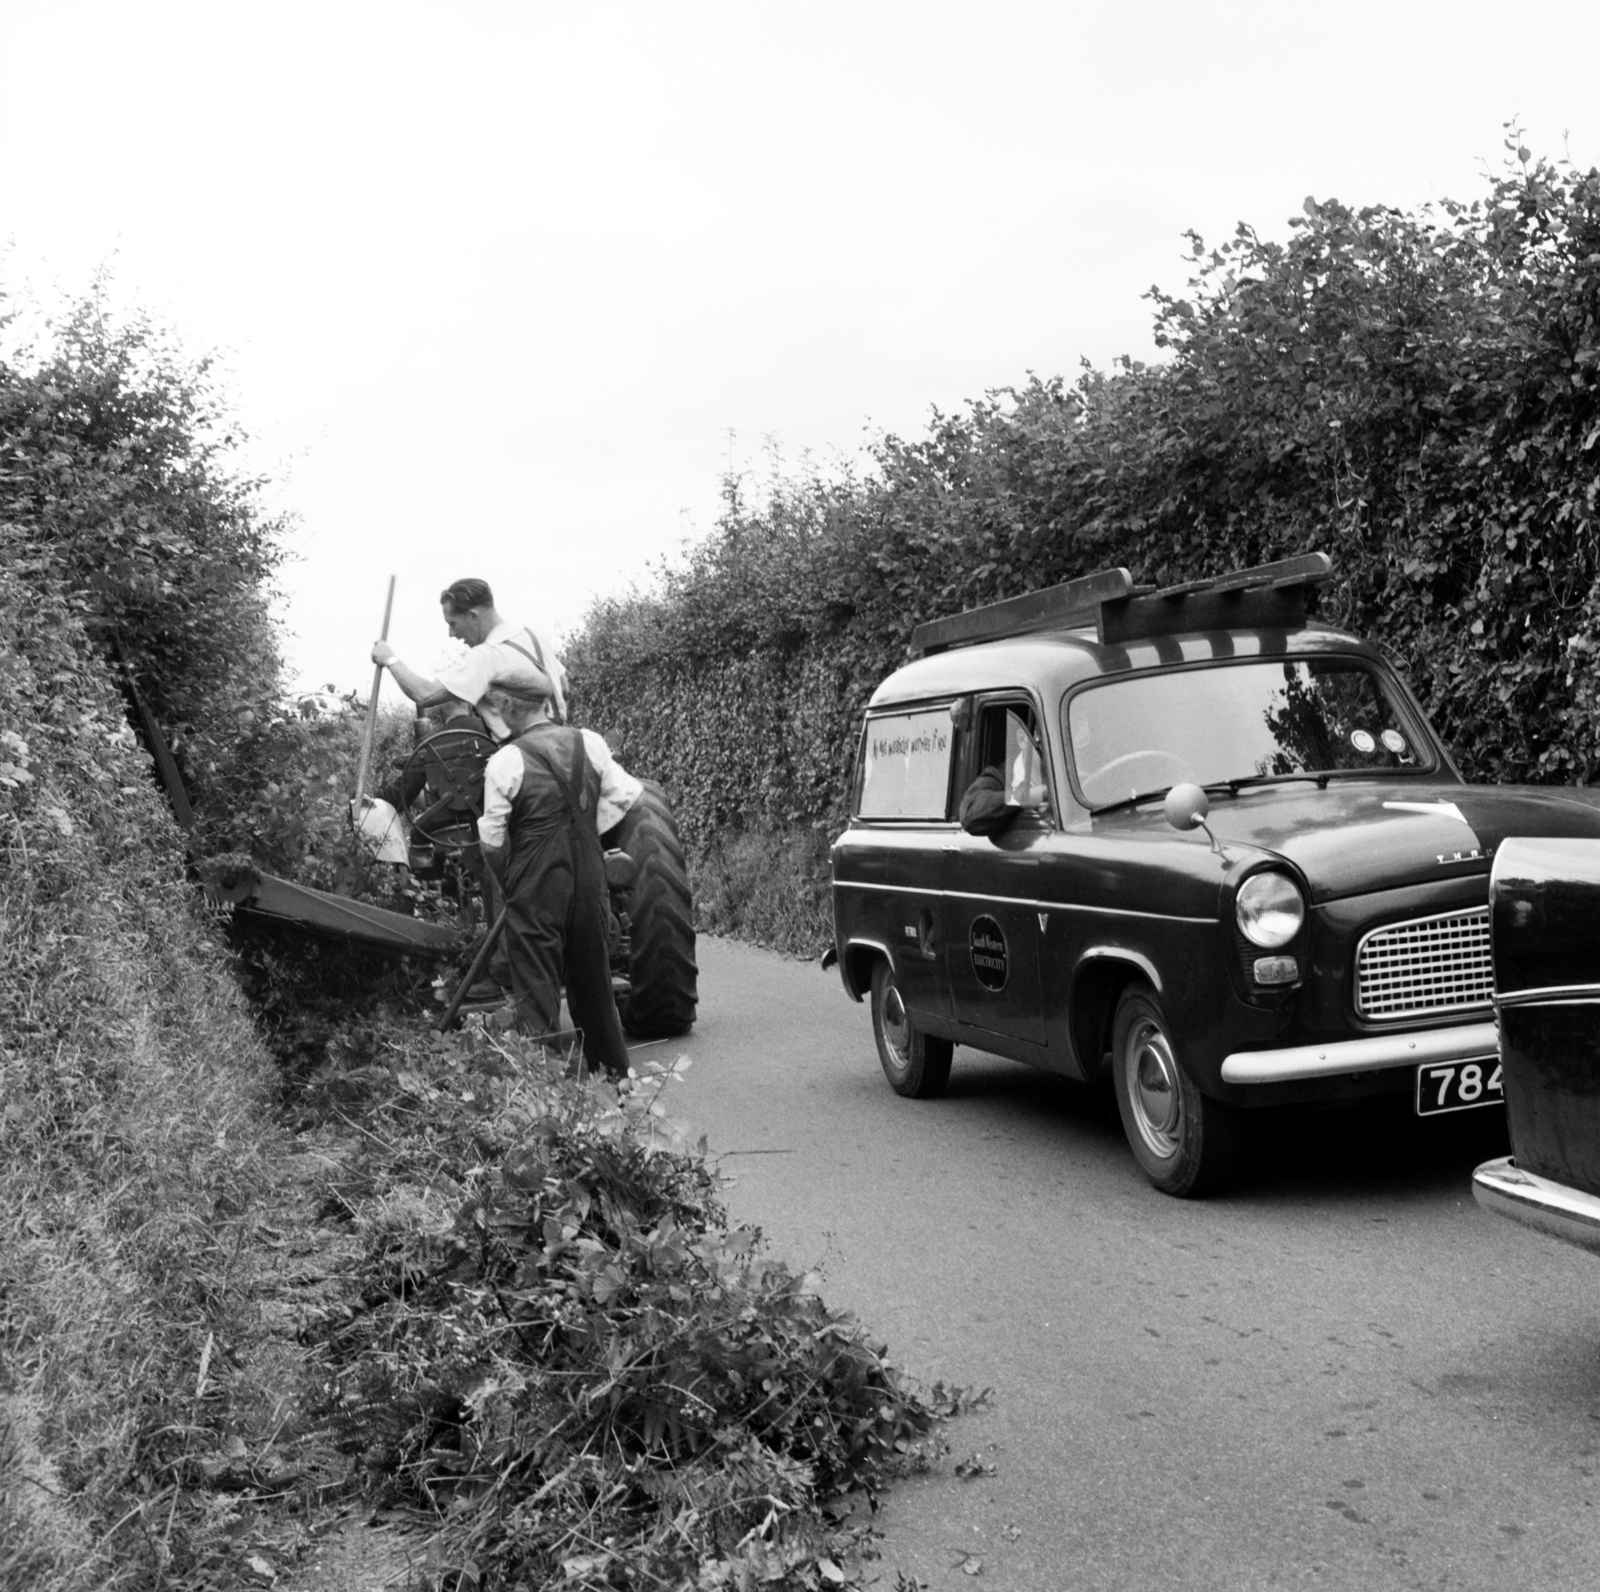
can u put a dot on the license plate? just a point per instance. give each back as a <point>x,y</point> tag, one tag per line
<point>1458,1086</point>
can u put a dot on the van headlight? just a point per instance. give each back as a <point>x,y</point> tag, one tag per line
<point>1270,910</point>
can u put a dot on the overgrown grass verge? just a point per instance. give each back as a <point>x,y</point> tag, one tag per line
<point>564,1362</point>
<point>133,1091</point>
<point>767,886</point>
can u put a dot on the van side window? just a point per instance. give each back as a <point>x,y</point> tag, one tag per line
<point>905,765</point>
<point>1011,778</point>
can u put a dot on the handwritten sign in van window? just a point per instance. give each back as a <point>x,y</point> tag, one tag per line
<point>906,765</point>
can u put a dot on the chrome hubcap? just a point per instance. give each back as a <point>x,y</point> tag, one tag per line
<point>896,1027</point>
<point>1153,1089</point>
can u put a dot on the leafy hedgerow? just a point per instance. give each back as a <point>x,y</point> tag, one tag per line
<point>120,482</point>
<point>572,1365</point>
<point>1417,394</point>
<point>122,492</point>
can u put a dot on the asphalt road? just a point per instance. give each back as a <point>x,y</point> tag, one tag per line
<point>1340,1374</point>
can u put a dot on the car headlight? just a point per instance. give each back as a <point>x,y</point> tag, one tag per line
<point>1270,909</point>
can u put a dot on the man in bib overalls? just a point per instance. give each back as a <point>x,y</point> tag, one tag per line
<point>541,794</point>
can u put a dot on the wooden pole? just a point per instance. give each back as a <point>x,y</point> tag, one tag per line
<point>372,710</point>
<point>479,962</point>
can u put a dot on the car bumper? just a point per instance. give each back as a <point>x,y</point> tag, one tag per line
<point>1468,1042</point>
<point>1538,1202</point>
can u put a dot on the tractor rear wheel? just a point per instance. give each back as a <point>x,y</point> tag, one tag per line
<point>662,977</point>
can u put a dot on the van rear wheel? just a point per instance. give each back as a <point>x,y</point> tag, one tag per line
<point>916,1064</point>
<point>1185,1144</point>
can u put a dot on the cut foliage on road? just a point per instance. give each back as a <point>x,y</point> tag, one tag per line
<point>566,1366</point>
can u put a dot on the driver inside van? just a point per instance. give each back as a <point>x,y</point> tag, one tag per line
<point>1012,784</point>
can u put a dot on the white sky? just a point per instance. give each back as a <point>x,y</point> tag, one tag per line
<point>496,280</point>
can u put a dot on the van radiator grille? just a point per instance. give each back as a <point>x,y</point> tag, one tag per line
<point>1427,966</point>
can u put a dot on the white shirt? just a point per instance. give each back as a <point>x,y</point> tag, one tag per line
<point>502,779</point>
<point>494,662</point>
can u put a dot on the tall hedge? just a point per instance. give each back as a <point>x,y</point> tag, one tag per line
<point>120,487</point>
<point>1414,393</point>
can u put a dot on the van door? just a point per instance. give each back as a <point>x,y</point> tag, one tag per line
<point>889,867</point>
<point>992,954</point>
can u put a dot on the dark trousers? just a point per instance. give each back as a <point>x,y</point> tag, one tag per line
<point>556,930</point>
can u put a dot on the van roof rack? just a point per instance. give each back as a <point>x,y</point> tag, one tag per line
<point>1268,597</point>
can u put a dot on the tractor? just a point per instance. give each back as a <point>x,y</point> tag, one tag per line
<point>439,787</point>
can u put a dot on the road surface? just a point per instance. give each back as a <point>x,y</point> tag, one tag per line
<point>1341,1374</point>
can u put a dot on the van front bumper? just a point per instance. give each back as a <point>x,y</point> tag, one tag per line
<point>1468,1042</point>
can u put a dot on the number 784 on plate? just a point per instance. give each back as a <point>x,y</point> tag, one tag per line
<point>1458,1085</point>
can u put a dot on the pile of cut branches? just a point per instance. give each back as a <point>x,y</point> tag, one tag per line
<point>571,1365</point>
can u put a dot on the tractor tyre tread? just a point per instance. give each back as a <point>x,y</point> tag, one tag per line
<point>661,966</point>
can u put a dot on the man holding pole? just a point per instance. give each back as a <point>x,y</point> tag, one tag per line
<point>499,652</point>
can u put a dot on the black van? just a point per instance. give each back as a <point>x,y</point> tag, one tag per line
<point>1210,846</point>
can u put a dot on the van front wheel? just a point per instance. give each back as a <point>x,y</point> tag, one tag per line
<point>1185,1144</point>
